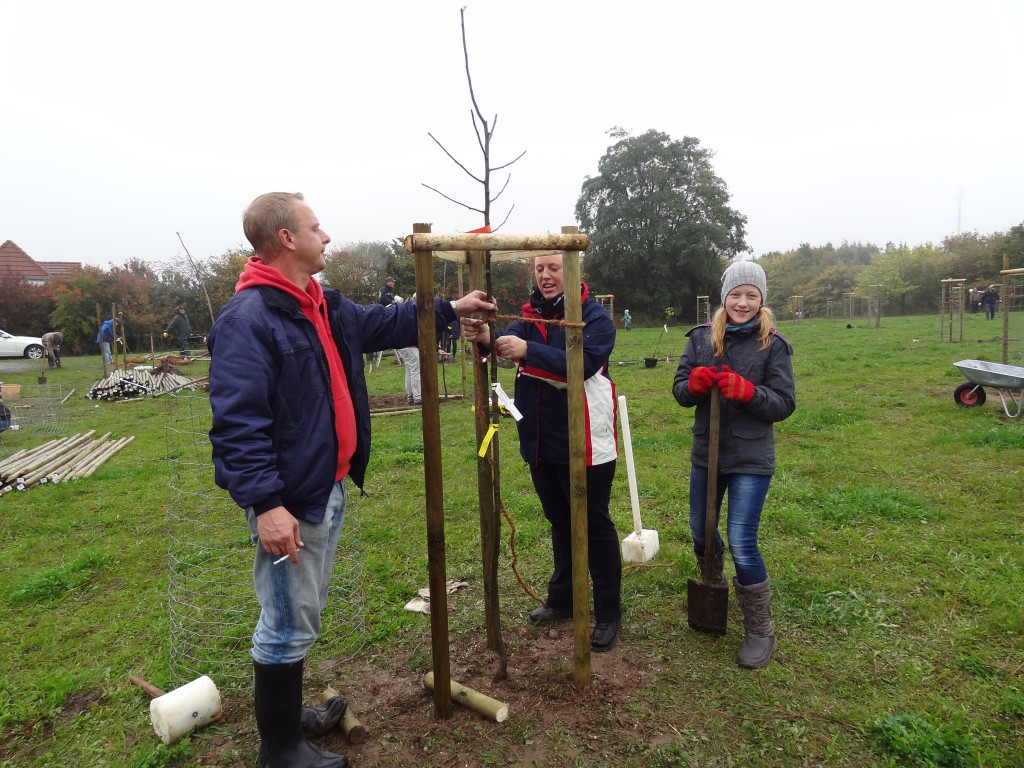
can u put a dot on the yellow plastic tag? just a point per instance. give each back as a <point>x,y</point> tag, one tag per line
<point>487,441</point>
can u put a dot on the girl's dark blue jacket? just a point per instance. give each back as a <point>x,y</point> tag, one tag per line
<point>273,434</point>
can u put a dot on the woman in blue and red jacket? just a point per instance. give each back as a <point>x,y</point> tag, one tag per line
<point>541,396</point>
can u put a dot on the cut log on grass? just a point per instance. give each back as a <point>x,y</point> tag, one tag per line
<point>354,730</point>
<point>475,700</point>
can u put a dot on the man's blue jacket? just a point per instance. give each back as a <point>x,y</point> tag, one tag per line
<point>273,434</point>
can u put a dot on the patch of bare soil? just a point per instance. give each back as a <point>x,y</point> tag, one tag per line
<point>388,697</point>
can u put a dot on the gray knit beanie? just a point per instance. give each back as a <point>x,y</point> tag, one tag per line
<point>745,273</point>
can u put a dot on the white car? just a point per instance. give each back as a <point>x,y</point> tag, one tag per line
<point>20,346</point>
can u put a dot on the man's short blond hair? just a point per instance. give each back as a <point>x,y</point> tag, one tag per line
<point>267,215</point>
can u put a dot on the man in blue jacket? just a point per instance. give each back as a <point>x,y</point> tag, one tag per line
<point>291,420</point>
<point>105,338</point>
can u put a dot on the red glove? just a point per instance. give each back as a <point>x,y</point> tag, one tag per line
<point>734,386</point>
<point>702,378</point>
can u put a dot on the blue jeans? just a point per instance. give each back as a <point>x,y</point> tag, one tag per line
<point>107,357</point>
<point>746,500</point>
<point>292,597</point>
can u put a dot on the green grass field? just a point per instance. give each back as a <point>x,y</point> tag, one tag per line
<point>893,534</point>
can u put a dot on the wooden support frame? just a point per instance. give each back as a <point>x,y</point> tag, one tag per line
<point>952,301</point>
<point>470,248</point>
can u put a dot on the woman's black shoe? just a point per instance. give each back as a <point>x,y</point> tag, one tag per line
<point>546,615</point>
<point>602,638</point>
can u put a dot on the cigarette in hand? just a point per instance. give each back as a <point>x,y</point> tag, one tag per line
<point>281,559</point>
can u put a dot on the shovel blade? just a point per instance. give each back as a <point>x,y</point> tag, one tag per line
<point>707,606</point>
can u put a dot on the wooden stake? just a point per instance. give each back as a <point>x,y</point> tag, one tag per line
<point>354,730</point>
<point>490,523</point>
<point>432,476</point>
<point>421,241</point>
<point>577,465</point>
<point>478,702</point>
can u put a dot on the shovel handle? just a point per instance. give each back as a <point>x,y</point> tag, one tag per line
<point>627,444</point>
<point>147,686</point>
<point>711,503</point>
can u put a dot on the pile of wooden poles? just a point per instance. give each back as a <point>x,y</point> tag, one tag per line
<point>121,385</point>
<point>66,458</point>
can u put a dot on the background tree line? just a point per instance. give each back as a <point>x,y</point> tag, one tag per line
<point>146,294</point>
<point>661,232</point>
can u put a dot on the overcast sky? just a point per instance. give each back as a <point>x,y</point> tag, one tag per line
<point>124,123</point>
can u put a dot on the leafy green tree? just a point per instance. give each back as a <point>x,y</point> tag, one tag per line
<point>357,269</point>
<point>221,274</point>
<point>75,298</point>
<point>24,309</point>
<point>1011,244</point>
<point>891,269</point>
<point>970,257</point>
<point>661,229</point>
<point>816,273</point>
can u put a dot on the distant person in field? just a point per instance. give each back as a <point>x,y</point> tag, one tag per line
<point>742,354</point>
<point>627,320</point>
<point>386,294</point>
<point>105,338</point>
<point>989,300</point>
<point>410,359</point>
<point>179,328</point>
<point>51,346</point>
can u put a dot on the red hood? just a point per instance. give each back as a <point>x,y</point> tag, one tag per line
<point>258,273</point>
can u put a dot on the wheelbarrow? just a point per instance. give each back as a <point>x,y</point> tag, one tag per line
<point>1007,380</point>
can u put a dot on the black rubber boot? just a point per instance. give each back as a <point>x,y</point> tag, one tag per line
<point>316,721</point>
<point>278,701</point>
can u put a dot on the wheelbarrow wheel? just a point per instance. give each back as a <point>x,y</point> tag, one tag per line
<point>969,395</point>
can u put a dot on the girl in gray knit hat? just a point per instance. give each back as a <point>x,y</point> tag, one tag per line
<point>742,354</point>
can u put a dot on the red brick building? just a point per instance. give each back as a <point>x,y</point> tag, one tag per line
<point>18,265</point>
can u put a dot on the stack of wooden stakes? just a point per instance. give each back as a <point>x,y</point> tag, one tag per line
<point>121,385</point>
<point>68,458</point>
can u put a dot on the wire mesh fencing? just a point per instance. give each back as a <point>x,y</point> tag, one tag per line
<point>212,603</point>
<point>36,411</point>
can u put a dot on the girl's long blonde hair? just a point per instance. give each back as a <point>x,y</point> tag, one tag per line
<point>765,315</point>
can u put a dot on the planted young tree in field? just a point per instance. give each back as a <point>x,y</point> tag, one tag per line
<point>484,130</point>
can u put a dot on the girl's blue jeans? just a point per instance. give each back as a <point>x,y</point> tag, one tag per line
<point>743,519</point>
<point>292,597</point>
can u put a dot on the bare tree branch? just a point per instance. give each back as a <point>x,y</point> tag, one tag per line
<point>476,129</point>
<point>469,77</point>
<point>484,131</point>
<point>506,165</point>
<point>198,274</point>
<point>495,229</point>
<point>468,172</point>
<point>442,194</point>
<point>502,188</point>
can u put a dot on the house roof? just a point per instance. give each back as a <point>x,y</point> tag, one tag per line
<point>15,263</point>
<point>56,268</point>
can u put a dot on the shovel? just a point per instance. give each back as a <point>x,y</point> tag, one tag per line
<point>707,604</point>
<point>642,544</point>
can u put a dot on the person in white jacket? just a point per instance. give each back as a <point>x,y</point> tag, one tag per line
<point>410,359</point>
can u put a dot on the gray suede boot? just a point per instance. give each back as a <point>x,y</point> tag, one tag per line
<point>717,567</point>
<point>758,633</point>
